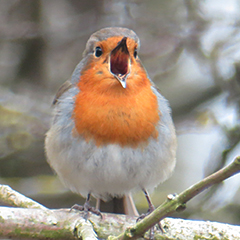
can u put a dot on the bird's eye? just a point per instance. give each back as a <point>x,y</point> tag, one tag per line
<point>135,53</point>
<point>98,52</point>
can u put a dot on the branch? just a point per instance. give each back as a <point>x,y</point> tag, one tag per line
<point>16,199</point>
<point>178,202</point>
<point>85,230</point>
<point>22,223</point>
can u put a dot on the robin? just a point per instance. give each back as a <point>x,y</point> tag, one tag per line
<point>112,130</point>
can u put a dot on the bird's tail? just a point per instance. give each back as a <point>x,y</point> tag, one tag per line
<point>124,205</point>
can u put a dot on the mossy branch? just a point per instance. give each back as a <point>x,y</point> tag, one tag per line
<point>16,199</point>
<point>23,223</point>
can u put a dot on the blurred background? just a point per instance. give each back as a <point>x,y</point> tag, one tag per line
<point>191,50</point>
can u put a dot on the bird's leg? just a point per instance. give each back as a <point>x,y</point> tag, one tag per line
<point>98,203</point>
<point>86,208</point>
<point>151,208</point>
<point>150,205</point>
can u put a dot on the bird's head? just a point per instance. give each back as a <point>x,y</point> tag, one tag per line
<point>111,60</point>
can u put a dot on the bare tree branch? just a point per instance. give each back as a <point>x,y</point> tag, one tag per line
<point>22,223</point>
<point>16,199</point>
<point>85,230</point>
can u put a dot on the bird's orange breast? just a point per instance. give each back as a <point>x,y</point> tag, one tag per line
<point>108,113</point>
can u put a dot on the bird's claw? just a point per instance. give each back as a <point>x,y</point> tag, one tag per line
<point>87,208</point>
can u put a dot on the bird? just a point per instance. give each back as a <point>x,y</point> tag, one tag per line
<point>112,131</point>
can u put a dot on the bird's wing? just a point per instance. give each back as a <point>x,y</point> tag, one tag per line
<point>63,88</point>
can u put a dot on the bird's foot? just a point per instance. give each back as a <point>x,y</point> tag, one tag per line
<point>150,210</point>
<point>87,208</point>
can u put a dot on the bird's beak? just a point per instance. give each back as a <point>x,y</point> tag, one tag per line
<point>120,62</point>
